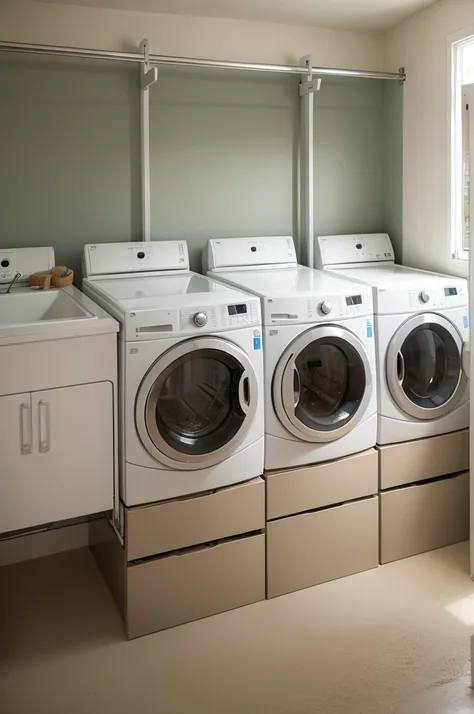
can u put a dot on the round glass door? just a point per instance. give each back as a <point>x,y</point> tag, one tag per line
<point>322,384</point>
<point>196,403</point>
<point>424,367</point>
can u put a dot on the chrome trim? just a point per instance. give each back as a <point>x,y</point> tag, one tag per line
<point>43,409</point>
<point>25,429</point>
<point>149,433</point>
<point>87,53</point>
<point>395,386</point>
<point>283,387</point>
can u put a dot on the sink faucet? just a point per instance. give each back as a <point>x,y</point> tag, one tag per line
<point>15,278</point>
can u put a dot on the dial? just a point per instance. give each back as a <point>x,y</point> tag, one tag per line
<point>325,307</point>
<point>424,297</point>
<point>200,319</point>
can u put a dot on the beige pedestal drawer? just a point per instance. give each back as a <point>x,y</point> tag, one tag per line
<point>185,559</point>
<point>183,522</point>
<point>414,461</point>
<point>320,485</point>
<point>423,517</point>
<point>311,548</point>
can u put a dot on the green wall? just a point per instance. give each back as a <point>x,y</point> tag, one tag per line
<point>393,155</point>
<point>224,155</point>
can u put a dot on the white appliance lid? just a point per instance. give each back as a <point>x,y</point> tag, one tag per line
<point>225,253</point>
<point>25,261</point>
<point>166,291</point>
<point>383,277</point>
<point>353,249</point>
<point>288,282</point>
<point>131,258</point>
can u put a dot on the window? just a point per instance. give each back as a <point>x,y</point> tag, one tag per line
<point>462,138</point>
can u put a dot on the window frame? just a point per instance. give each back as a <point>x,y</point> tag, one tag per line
<point>458,255</point>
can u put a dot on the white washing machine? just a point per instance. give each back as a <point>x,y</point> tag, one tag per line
<point>421,330</point>
<point>190,370</point>
<point>320,393</point>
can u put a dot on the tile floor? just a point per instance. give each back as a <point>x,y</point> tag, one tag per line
<point>393,640</point>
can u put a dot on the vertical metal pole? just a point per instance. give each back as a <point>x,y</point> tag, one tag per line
<point>149,76</point>
<point>306,165</point>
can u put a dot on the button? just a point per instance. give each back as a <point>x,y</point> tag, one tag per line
<point>5,263</point>
<point>325,307</point>
<point>140,255</point>
<point>200,319</point>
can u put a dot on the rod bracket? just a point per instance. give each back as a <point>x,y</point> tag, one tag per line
<point>150,74</point>
<point>308,85</point>
<point>402,79</point>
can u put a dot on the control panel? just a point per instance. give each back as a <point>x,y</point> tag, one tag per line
<point>320,308</point>
<point>24,261</point>
<point>221,317</point>
<point>435,294</point>
<point>248,252</point>
<point>130,258</point>
<point>340,306</point>
<point>353,249</point>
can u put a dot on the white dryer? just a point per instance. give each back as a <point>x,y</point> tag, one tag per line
<point>320,394</point>
<point>421,329</point>
<point>190,369</point>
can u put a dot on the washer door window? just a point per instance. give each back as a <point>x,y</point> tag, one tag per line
<point>322,384</point>
<point>196,403</point>
<point>424,367</point>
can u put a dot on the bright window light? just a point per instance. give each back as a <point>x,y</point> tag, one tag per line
<point>462,139</point>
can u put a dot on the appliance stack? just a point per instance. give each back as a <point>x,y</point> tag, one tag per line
<point>422,329</point>
<point>191,438</point>
<point>320,412</point>
<point>279,426</point>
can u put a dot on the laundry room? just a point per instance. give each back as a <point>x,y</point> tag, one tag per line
<point>235,356</point>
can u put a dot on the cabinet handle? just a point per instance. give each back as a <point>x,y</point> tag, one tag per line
<point>43,419</point>
<point>25,429</point>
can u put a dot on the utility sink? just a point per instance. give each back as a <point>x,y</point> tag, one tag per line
<point>31,306</point>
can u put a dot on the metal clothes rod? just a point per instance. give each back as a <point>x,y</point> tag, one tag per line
<point>83,53</point>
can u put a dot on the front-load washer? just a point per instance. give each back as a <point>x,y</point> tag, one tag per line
<point>190,369</point>
<point>320,395</point>
<point>421,328</point>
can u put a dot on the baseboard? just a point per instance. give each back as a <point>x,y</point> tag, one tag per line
<point>38,545</point>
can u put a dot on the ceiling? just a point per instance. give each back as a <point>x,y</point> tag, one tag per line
<point>375,15</point>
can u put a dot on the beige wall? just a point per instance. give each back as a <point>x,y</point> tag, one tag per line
<point>421,45</point>
<point>49,23</point>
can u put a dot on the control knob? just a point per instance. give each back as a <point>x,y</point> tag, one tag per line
<point>325,307</point>
<point>424,297</point>
<point>200,319</point>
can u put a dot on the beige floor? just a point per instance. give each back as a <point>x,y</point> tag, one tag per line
<point>394,639</point>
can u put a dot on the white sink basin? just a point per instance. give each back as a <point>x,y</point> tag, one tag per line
<point>29,307</point>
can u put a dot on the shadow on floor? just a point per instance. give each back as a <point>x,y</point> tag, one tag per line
<point>55,604</point>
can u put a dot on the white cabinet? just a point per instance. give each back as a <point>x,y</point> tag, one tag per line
<point>56,455</point>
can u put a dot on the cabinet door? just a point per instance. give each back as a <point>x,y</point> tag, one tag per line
<point>16,459</point>
<point>74,452</point>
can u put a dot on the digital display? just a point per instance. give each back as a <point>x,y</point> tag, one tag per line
<point>237,309</point>
<point>354,300</point>
<point>450,291</point>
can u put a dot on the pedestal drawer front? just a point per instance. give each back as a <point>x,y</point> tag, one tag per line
<point>195,583</point>
<point>312,548</point>
<point>423,459</point>
<point>424,517</point>
<point>304,489</point>
<point>167,526</point>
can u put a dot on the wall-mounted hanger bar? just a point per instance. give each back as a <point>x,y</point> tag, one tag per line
<point>148,78</point>
<point>310,77</point>
<point>193,62</point>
